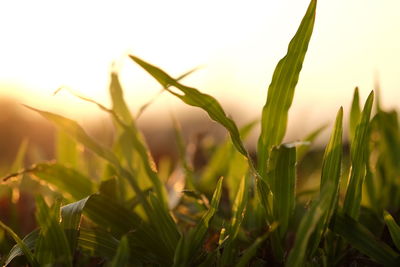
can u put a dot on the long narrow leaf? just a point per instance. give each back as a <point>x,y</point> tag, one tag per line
<point>252,250</point>
<point>330,177</point>
<point>358,155</point>
<point>282,179</point>
<point>98,242</point>
<point>281,90</point>
<point>394,228</point>
<point>121,258</point>
<point>71,216</point>
<point>363,240</point>
<point>355,113</point>
<point>22,246</point>
<point>307,227</point>
<point>190,244</point>
<point>52,245</point>
<point>194,97</point>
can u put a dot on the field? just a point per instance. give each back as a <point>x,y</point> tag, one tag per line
<point>100,205</point>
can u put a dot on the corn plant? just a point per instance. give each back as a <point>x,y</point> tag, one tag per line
<point>112,207</point>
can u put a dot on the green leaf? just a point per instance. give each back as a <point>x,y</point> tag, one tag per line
<point>394,228</point>
<point>23,246</point>
<point>71,215</point>
<point>67,180</point>
<point>330,177</point>
<point>67,152</point>
<point>146,105</point>
<point>252,250</point>
<point>358,155</point>
<point>109,214</point>
<point>118,103</point>
<point>98,242</point>
<point>52,244</point>
<point>239,207</point>
<point>190,244</point>
<point>307,227</point>
<point>238,213</point>
<point>281,90</point>
<point>193,97</point>
<point>223,161</point>
<point>355,114</point>
<point>164,225</point>
<point>363,240</point>
<point>121,258</point>
<point>135,143</point>
<point>282,179</point>
<point>79,134</point>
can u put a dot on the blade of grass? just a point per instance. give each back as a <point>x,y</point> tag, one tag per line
<point>71,215</point>
<point>238,213</point>
<point>363,240</point>
<point>222,159</point>
<point>22,245</point>
<point>52,244</point>
<point>252,250</point>
<point>281,90</point>
<point>308,225</point>
<point>77,132</point>
<point>67,152</point>
<point>358,152</point>
<point>282,178</point>
<point>138,144</point>
<point>355,114</point>
<point>164,225</point>
<point>190,244</point>
<point>97,242</point>
<point>193,97</point>
<point>111,215</point>
<point>394,228</point>
<point>121,258</point>
<point>146,105</point>
<point>330,176</point>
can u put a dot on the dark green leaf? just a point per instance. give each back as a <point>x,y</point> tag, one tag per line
<point>363,240</point>
<point>70,220</point>
<point>52,244</point>
<point>307,227</point>
<point>121,258</point>
<point>98,242</point>
<point>394,228</point>
<point>252,250</point>
<point>190,244</point>
<point>24,246</point>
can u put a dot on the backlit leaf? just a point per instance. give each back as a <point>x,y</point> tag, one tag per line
<point>281,90</point>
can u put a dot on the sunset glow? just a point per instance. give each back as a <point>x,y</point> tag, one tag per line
<point>48,44</point>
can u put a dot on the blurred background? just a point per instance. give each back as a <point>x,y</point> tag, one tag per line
<point>235,44</point>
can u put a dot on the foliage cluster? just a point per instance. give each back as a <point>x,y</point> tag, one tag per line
<point>114,209</point>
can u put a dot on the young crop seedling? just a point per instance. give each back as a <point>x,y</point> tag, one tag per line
<point>114,208</point>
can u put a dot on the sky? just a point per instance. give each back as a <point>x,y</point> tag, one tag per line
<point>235,44</point>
